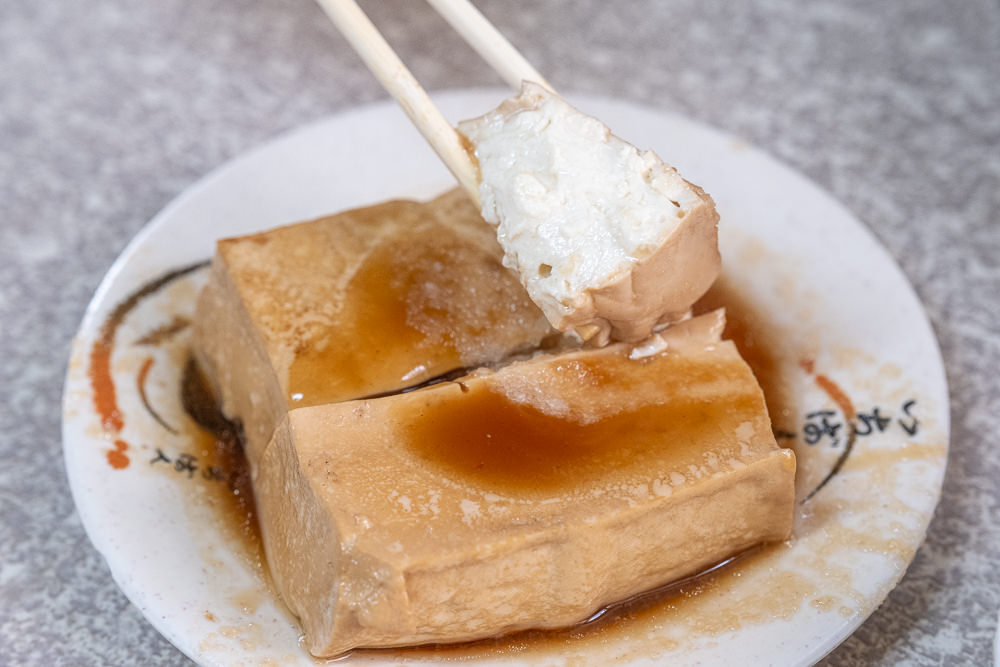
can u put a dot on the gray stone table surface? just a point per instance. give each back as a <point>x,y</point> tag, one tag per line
<point>110,108</point>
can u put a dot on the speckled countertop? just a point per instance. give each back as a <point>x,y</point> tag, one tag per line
<point>109,109</point>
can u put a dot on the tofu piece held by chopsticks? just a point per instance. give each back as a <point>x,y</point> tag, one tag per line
<point>605,238</point>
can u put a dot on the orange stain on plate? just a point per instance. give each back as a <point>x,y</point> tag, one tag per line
<point>117,458</point>
<point>105,399</point>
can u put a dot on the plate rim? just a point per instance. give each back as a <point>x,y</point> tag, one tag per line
<point>135,594</point>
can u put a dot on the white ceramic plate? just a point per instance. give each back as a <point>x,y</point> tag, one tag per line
<point>840,336</point>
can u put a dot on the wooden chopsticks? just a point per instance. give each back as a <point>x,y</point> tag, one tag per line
<point>488,42</point>
<point>394,76</point>
<point>400,83</point>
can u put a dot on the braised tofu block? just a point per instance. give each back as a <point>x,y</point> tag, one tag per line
<point>524,497</point>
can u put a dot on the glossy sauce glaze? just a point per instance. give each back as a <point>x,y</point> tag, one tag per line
<point>497,443</point>
<point>406,319</point>
<point>329,369</point>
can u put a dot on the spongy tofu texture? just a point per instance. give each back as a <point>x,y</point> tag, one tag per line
<point>602,234</point>
<point>526,496</point>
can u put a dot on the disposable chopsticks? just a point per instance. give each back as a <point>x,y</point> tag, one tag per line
<point>488,42</point>
<point>394,76</point>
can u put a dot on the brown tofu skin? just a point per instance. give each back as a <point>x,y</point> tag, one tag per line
<point>367,301</point>
<point>527,493</point>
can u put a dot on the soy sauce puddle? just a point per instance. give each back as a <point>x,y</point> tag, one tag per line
<point>607,626</point>
<point>224,453</point>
